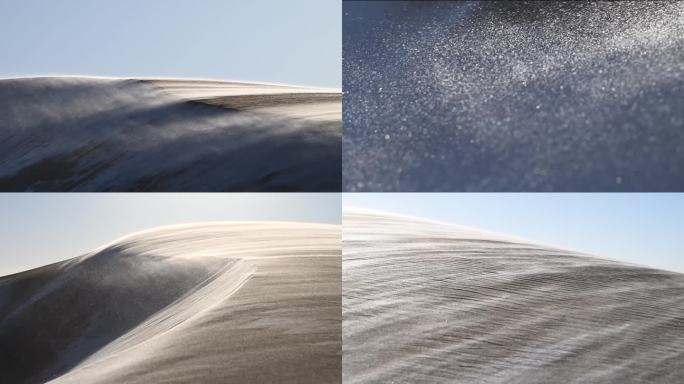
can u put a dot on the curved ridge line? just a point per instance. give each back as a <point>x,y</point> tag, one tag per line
<point>353,210</point>
<point>211,282</point>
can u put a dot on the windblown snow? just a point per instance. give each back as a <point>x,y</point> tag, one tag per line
<point>103,134</point>
<point>426,302</point>
<point>202,303</point>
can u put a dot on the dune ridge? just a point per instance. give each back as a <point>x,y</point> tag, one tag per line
<point>208,302</point>
<point>109,134</point>
<point>426,302</point>
<point>324,104</point>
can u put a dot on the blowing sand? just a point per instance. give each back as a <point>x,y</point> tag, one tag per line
<point>280,100</point>
<point>203,303</point>
<point>426,302</point>
<point>513,96</point>
<point>104,134</point>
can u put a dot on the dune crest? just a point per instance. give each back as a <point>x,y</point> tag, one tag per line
<point>210,302</point>
<point>426,302</point>
<point>323,104</point>
<point>107,134</point>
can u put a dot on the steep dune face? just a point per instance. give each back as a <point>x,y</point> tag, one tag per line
<point>95,134</point>
<point>210,303</point>
<point>425,302</point>
<point>513,96</point>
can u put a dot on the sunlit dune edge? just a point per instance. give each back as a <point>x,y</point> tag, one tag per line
<point>208,302</point>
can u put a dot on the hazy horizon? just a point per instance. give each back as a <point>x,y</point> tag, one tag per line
<point>642,229</point>
<point>39,229</point>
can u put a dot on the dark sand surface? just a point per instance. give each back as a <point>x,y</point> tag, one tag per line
<point>513,96</point>
<point>98,134</point>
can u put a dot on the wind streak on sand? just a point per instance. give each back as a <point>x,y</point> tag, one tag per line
<point>426,302</point>
<point>100,134</point>
<point>203,303</point>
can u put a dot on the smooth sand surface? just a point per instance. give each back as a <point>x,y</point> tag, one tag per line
<point>105,134</point>
<point>203,303</point>
<point>427,302</point>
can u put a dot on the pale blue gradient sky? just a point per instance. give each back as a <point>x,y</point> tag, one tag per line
<point>38,229</point>
<point>293,42</point>
<point>639,228</point>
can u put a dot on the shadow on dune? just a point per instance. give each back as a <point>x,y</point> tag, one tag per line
<point>195,303</point>
<point>56,316</point>
<point>69,134</point>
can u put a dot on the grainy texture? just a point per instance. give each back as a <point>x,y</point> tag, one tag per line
<point>205,303</point>
<point>513,96</point>
<point>426,302</point>
<point>97,134</point>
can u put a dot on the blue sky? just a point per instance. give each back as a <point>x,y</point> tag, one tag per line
<point>639,228</point>
<point>38,229</point>
<point>293,42</point>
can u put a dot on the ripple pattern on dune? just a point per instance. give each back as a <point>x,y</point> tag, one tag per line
<point>95,134</point>
<point>426,302</point>
<point>513,96</point>
<point>211,303</point>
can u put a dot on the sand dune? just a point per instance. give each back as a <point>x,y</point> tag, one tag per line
<point>279,100</point>
<point>101,134</point>
<point>513,96</point>
<point>426,302</point>
<point>202,303</point>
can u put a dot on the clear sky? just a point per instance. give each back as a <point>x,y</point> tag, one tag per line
<point>38,229</point>
<point>292,42</point>
<point>639,228</point>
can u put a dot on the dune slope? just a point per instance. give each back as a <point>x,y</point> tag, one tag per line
<point>426,302</point>
<point>99,134</point>
<point>209,303</point>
